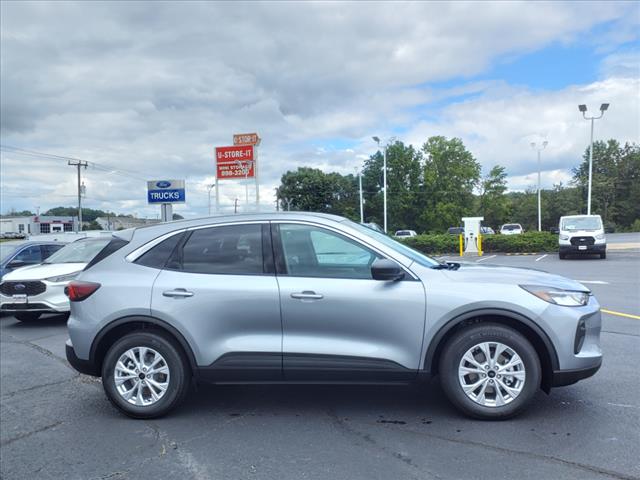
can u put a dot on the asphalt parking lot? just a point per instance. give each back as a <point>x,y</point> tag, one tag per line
<point>59,424</point>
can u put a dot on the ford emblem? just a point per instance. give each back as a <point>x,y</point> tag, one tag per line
<point>163,184</point>
<point>19,286</point>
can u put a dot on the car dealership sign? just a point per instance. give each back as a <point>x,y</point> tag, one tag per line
<point>165,191</point>
<point>235,162</point>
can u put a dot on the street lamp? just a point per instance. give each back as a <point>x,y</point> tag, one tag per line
<point>209,187</point>
<point>245,167</point>
<point>359,173</point>
<point>539,149</point>
<point>384,176</point>
<point>583,109</point>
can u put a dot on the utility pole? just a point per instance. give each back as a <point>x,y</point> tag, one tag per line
<point>79,164</point>
<point>209,187</point>
<point>359,173</point>
<point>235,205</point>
<point>384,176</point>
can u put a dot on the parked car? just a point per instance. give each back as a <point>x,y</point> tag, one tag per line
<point>455,231</point>
<point>405,234</point>
<point>582,234</point>
<point>13,235</point>
<point>511,229</point>
<point>20,254</point>
<point>31,291</point>
<point>316,298</point>
<point>487,231</point>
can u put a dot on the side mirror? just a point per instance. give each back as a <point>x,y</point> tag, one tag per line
<point>386,270</point>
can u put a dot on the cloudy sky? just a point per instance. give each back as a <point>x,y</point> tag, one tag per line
<point>147,90</point>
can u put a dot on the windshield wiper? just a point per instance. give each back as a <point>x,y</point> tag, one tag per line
<point>446,266</point>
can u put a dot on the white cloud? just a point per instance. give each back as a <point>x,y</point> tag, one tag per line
<point>151,88</point>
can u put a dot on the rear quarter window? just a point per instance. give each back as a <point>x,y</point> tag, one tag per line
<point>113,246</point>
<point>158,256</point>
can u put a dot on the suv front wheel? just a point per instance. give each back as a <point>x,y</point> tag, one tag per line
<point>144,375</point>
<point>490,371</point>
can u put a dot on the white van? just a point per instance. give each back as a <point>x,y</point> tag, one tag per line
<point>581,234</point>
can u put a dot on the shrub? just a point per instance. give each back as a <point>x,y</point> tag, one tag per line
<point>528,242</point>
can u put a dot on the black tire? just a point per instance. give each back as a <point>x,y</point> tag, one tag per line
<point>603,255</point>
<point>28,316</point>
<point>179,378</point>
<point>562,256</point>
<point>465,339</point>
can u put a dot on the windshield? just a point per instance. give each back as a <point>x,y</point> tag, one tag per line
<point>81,251</point>
<point>512,226</point>
<point>581,223</point>
<point>390,242</point>
<point>6,250</point>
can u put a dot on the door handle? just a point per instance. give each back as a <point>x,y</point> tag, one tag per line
<point>177,293</point>
<point>307,295</point>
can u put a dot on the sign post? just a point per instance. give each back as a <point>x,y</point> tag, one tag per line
<point>254,140</point>
<point>166,193</point>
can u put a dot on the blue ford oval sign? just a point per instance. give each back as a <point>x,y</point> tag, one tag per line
<point>165,191</point>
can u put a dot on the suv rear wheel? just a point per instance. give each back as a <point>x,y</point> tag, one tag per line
<point>490,371</point>
<point>144,375</point>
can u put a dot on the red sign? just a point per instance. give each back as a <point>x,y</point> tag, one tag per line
<point>234,162</point>
<point>246,139</point>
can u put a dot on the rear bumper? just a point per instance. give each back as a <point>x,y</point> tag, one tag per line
<point>596,248</point>
<point>562,378</point>
<point>83,366</point>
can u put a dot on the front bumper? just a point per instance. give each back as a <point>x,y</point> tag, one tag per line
<point>52,300</point>
<point>595,248</point>
<point>83,366</point>
<point>562,378</point>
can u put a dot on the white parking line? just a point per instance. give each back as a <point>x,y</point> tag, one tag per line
<point>540,258</point>
<point>593,282</point>
<point>485,258</point>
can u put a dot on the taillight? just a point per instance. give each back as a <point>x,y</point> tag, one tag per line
<point>78,291</point>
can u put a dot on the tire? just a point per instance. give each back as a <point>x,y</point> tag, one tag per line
<point>603,255</point>
<point>177,381</point>
<point>28,316</point>
<point>562,256</point>
<point>466,339</point>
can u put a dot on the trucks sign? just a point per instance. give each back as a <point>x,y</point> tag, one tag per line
<point>165,191</point>
<point>235,162</point>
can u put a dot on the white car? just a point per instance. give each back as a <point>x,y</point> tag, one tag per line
<point>582,234</point>
<point>29,292</point>
<point>405,234</point>
<point>511,229</point>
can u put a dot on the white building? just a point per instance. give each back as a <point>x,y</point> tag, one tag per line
<point>122,223</point>
<point>37,224</point>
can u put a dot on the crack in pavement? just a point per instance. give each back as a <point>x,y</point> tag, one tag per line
<point>536,456</point>
<point>341,425</point>
<point>28,434</point>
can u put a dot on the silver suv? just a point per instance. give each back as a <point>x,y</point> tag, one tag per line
<point>307,298</point>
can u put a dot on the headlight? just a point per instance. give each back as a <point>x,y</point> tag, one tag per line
<point>564,237</point>
<point>600,236</point>
<point>557,296</point>
<point>63,278</point>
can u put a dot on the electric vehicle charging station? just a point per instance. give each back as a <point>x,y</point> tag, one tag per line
<point>472,236</point>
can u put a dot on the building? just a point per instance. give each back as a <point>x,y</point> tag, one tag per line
<point>122,223</point>
<point>37,224</point>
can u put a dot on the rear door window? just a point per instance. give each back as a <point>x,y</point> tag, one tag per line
<point>230,249</point>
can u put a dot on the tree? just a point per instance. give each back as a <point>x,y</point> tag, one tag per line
<point>177,216</point>
<point>615,193</point>
<point>450,175</point>
<point>403,186</point>
<point>92,225</point>
<point>494,205</point>
<point>312,190</point>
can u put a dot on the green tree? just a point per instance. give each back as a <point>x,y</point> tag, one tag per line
<point>450,175</point>
<point>494,205</point>
<point>312,190</point>
<point>616,173</point>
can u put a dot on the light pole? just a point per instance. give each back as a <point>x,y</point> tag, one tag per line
<point>583,109</point>
<point>359,173</point>
<point>209,187</point>
<point>245,167</point>
<point>539,149</point>
<point>384,177</point>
